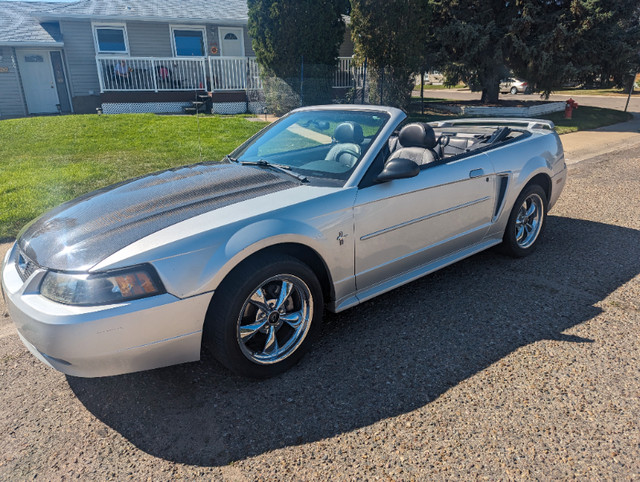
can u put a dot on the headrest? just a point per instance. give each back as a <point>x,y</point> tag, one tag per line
<point>417,135</point>
<point>348,132</point>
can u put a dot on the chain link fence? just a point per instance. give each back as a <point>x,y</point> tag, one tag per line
<point>312,84</point>
<point>349,82</point>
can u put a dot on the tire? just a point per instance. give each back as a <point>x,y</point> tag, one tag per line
<point>526,222</point>
<point>255,331</point>
<point>514,90</point>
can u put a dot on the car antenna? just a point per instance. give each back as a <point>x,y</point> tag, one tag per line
<point>198,126</point>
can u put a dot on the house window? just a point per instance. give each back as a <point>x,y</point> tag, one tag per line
<point>111,39</point>
<point>230,36</point>
<point>189,42</point>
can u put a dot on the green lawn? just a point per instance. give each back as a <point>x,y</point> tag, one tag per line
<point>438,87</point>
<point>47,160</point>
<point>587,118</point>
<point>584,118</point>
<point>594,92</point>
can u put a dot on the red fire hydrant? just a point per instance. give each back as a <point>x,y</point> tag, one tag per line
<point>568,109</point>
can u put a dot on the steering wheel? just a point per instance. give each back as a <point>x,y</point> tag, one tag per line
<point>444,140</point>
<point>353,153</point>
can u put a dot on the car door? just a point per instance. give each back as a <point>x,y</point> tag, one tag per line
<point>407,223</point>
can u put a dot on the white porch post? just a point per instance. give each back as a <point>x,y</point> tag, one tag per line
<point>153,75</point>
<point>100,74</point>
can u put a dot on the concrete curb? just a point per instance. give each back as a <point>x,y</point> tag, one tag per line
<point>579,146</point>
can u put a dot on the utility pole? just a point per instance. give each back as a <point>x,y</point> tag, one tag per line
<point>633,82</point>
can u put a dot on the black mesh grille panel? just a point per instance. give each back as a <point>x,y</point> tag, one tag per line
<point>25,266</point>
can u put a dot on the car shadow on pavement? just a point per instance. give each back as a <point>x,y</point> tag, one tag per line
<point>386,357</point>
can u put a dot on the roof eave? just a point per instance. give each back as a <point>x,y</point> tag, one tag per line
<point>226,21</point>
<point>16,43</point>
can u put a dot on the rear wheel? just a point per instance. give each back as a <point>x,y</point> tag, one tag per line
<point>526,222</point>
<point>264,316</point>
<point>514,90</point>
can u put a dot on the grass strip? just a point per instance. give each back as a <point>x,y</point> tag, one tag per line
<point>45,161</point>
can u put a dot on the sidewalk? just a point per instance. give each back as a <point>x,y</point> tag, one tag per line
<point>582,145</point>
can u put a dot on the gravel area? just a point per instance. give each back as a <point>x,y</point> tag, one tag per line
<point>492,368</point>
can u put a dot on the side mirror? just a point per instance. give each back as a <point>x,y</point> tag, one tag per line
<point>398,168</point>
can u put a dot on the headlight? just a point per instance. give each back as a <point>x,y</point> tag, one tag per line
<point>101,288</point>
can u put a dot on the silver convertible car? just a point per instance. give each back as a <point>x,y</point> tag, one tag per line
<point>323,209</point>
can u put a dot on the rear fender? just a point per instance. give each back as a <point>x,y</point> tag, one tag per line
<point>517,182</point>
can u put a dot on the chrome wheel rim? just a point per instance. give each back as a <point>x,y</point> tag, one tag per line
<point>529,221</point>
<point>275,319</point>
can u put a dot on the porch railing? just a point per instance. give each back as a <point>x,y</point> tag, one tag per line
<point>151,73</point>
<point>200,73</point>
<point>234,73</point>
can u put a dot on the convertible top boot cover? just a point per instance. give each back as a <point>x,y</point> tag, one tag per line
<point>79,234</point>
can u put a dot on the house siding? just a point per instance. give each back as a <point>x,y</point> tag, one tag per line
<point>214,41</point>
<point>346,47</point>
<point>80,55</point>
<point>149,39</point>
<point>12,102</point>
<point>248,49</point>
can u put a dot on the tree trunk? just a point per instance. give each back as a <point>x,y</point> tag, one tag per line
<point>422,91</point>
<point>491,93</point>
<point>490,87</point>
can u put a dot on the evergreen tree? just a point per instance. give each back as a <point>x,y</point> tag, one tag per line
<point>547,42</point>
<point>609,41</point>
<point>391,35</point>
<point>291,35</point>
<point>473,36</point>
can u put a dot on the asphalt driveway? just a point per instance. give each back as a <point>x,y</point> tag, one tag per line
<point>492,368</point>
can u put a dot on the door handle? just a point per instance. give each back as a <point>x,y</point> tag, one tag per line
<point>476,173</point>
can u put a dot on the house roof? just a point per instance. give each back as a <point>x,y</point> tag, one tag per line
<point>18,26</point>
<point>160,10</point>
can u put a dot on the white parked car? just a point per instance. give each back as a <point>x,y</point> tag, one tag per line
<point>324,209</point>
<point>514,86</point>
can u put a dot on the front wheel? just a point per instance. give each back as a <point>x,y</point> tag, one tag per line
<point>526,222</point>
<point>264,316</point>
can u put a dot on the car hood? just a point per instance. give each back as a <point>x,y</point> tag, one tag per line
<point>80,233</point>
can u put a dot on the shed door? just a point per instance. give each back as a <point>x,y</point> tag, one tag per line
<point>232,42</point>
<point>38,82</point>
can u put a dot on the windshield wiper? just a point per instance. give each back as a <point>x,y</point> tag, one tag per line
<point>228,158</point>
<point>278,167</point>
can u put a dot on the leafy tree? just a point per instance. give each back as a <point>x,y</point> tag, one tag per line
<point>391,36</point>
<point>288,34</point>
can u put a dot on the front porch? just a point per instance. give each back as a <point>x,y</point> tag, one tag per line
<point>171,84</point>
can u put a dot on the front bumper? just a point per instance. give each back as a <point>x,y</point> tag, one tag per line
<point>105,340</point>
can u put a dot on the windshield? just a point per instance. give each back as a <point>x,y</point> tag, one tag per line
<point>321,144</point>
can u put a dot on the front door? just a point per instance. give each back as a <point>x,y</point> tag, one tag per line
<point>231,42</point>
<point>39,84</point>
<point>407,223</point>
